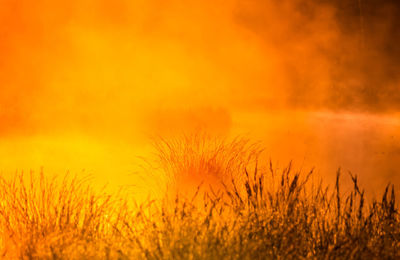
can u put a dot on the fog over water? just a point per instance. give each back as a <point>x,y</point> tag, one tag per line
<point>88,84</point>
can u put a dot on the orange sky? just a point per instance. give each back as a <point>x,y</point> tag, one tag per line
<point>84,84</point>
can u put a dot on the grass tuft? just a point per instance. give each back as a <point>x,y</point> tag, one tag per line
<point>255,212</point>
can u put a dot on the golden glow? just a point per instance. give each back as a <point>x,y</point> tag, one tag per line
<point>84,84</point>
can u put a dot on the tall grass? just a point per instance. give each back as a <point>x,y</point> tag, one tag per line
<point>52,218</point>
<point>257,212</point>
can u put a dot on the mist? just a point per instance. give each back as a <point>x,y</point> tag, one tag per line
<point>88,84</point>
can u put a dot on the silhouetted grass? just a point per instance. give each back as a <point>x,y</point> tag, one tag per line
<point>256,212</point>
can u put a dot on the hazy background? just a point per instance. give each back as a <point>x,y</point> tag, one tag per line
<point>86,84</point>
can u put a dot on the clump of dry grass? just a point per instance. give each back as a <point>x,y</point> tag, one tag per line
<point>257,212</point>
<point>53,218</point>
<point>191,160</point>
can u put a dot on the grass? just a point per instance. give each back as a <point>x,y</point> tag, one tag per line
<point>250,210</point>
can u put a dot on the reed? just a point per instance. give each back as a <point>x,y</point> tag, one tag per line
<point>257,212</point>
